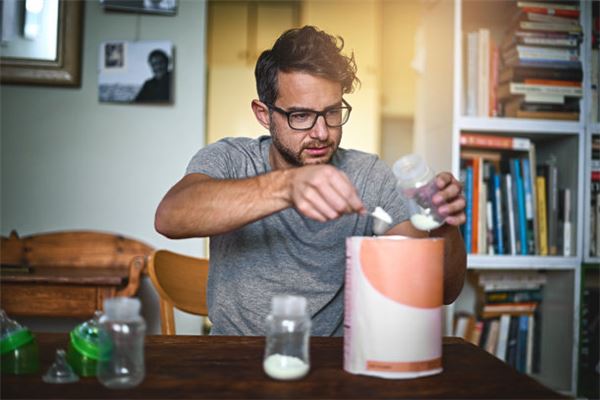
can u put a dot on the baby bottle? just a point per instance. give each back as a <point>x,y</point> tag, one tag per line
<point>417,183</point>
<point>121,344</point>
<point>287,338</point>
<point>82,353</point>
<point>18,347</point>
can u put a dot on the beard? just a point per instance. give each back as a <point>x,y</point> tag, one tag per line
<point>295,158</point>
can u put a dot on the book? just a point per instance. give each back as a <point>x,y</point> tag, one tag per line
<point>511,345</point>
<point>510,214</point>
<point>507,89</point>
<point>530,344</point>
<point>548,26</point>
<point>498,217</point>
<point>472,74</point>
<point>468,209</point>
<point>483,73</point>
<point>541,52</point>
<point>549,8</point>
<point>513,296</point>
<point>542,218</point>
<point>521,351</point>
<point>510,280</point>
<point>519,73</point>
<point>503,332</point>
<point>497,309</point>
<point>541,17</point>
<point>477,140</point>
<point>530,165</point>
<point>551,175</point>
<point>565,196</point>
<point>556,115</point>
<point>491,340</point>
<point>520,205</point>
<point>477,179</point>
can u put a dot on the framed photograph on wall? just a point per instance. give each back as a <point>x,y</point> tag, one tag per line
<point>166,7</point>
<point>136,72</point>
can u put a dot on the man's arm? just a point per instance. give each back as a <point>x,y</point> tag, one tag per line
<point>199,205</point>
<point>452,205</point>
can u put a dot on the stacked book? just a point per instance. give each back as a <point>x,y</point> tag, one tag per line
<point>509,308</point>
<point>541,73</point>
<point>507,323</point>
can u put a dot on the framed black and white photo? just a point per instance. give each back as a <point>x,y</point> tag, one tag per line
<point>166,7</point>
<point>136,72</point>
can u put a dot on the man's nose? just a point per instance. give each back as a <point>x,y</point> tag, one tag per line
<point>320,131</point>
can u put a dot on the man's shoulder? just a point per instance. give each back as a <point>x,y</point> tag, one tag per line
<point>354,158</point>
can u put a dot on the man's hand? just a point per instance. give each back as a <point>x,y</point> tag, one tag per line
<point>323,193</point>
<point>450,199</point>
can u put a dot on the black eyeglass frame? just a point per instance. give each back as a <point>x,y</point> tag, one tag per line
<point>346,106</point>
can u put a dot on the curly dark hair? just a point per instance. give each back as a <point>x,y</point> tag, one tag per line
<point>305,49</point>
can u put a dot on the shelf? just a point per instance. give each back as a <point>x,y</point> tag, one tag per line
<point>519,125</point>
<point>477,261</point>
<point>591,260</point>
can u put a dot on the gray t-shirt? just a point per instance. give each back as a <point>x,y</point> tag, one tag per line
<point>286,253</point>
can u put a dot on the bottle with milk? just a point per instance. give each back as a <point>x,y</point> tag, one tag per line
<point>417,183</point>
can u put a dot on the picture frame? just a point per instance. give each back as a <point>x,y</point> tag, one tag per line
<point>164,7</point>
<point>136,72</point>
<point>65,69</point>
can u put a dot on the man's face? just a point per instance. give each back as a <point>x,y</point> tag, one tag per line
<point>158,65</point>
<point>302,91</point>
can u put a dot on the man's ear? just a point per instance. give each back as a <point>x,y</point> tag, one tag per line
<point>261,112</point>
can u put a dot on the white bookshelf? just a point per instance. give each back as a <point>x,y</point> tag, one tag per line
<point>569,142</point>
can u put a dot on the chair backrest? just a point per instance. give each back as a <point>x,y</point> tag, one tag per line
<point>180,282</point>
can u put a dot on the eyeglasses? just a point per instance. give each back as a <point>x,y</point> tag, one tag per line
<point>303,120</point>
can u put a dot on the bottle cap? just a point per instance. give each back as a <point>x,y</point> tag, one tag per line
<point>84,337</point>
<point>122,308</point>
<point>13,334</point>
<point>411,170</point>
<point>288,305</point>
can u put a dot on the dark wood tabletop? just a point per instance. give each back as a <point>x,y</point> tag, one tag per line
<point>231,367</point>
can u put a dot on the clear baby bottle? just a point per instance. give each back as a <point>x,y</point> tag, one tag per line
<point>18,346</point>
<point>417,183</point>
<point>121,344</point>
<point>287,338</point>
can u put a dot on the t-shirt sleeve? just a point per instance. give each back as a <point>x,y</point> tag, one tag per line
<point>213,160</point>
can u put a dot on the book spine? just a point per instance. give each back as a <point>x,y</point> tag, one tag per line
<point>542,218</point>
<point>494,142</point>
<point>521,356</point>
<point>552,210</point>
<point>469,209</point>
<point>529,206</point>
<point>498,214</point>
<point>477,176</point>
<point>503,336</point>
<point>523,88</point>
<point>510,213</point>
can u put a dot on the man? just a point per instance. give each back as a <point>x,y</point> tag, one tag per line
<point>158,88</point>
<point>279,208</point>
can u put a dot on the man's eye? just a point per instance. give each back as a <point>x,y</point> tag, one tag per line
<point>300,116</point>
<point>334,113</point>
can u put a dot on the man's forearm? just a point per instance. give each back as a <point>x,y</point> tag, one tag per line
<point>455,261</point>
<point>199,206</point>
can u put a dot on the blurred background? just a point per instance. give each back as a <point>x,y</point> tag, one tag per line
<point>70,162</point>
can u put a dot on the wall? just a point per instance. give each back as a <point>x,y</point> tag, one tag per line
<point>433,104</point>
<point>69,162</point>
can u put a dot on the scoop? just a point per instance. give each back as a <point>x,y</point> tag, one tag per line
<point>382,221</point>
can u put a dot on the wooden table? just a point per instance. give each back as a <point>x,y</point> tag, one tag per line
<point>231,367</point>
<point>59,291</point>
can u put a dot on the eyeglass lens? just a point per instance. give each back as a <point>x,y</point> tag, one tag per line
<point>307,119</point>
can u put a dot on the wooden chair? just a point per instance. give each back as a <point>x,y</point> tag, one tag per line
<point>68,273</point>
<point>180,282</point>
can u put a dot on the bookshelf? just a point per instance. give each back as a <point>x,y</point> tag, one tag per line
<point>566,144</point>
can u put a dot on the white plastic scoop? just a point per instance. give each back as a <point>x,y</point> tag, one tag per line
<point>382,221</point>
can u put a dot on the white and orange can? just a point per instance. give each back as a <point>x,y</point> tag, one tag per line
<point>393,306</point>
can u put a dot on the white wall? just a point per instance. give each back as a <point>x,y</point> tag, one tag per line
<point>70,162</point>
